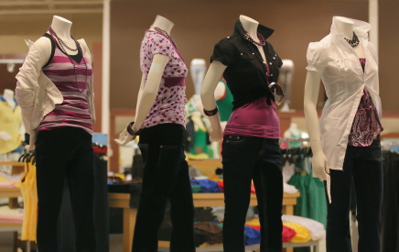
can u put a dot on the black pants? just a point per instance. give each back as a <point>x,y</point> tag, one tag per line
<point>363,168</point>
<point>65,153</point>
<point>244,159</point>
<point>165,178</point>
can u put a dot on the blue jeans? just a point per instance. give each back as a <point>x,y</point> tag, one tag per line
<point>363,168</point>
<point>244,159</point>
<point>65,153</point>
<point>165,178</point>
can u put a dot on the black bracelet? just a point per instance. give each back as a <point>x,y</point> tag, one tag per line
<point>211,112</point>
<point>130,130</point>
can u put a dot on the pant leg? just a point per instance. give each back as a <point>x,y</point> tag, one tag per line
<point>51,153</point>
<point>268,180</point>
<point>80,177</point>
<point>161,147</point>
<point>338,232</point>
<point>182,211</point>
<point>240,155</point>
<point>367,175</point>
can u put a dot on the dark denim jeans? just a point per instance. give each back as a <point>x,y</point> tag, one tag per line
<point>165,178</point>
<point>363,168</point>
<point>65,153</point>
<point>244,159</point>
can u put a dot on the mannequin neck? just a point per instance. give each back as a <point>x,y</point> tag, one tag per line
<point>344,26</point>
<point>162,23</point>
<point>9,97</point>
<point>62,27</point>
<point>250,26</point>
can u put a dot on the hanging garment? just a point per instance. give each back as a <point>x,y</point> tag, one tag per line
<point>312,203</point>
<point>29,194</point>
<point>10,123</point>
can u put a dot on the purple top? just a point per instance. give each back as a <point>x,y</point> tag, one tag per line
<point>71,80</point>
<point>366,125</point>
<point>169,105</point>
<point>256,119</point>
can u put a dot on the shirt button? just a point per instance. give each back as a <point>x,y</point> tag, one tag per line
<point>241,53</point>
<point>253,53</point>
<point>270,63</point>
<point>274,58</point>
<point>271,75</point>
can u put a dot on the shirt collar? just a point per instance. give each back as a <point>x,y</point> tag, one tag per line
<point>263,30</point>
<point>361,28</point>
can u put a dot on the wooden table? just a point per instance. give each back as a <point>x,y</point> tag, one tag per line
<point>121,200</point>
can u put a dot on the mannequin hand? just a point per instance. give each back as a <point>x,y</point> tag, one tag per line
<point>216,135</point>
<point>124,138</point>
<point>5,136</point>
<point>320,166</point>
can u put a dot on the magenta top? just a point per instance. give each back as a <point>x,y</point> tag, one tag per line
<point>169,105</point>
<point>71,79</point>
<point>366,125</point>
<point>256,119</point>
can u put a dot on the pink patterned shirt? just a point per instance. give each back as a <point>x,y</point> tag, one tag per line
<point>366,125</point>
<point>169,105</point>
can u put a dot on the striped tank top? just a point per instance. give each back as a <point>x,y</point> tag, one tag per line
<point>71,75</point>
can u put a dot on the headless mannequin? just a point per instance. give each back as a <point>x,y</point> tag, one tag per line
<point>312,85</point>
<point>286,73</point>
<point>8,95</point>
<point>62,27</point>
<point>214,75</point>
<point>148,88</point>
<point>198,69</point>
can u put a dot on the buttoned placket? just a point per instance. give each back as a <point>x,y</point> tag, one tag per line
<point>260,58</point>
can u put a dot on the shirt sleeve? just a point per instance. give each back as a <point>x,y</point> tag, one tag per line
<point>314,56</point>
<point>223,52</point>
<point>161,45</point>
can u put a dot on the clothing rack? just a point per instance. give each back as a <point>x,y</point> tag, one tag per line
<point>290,140</point>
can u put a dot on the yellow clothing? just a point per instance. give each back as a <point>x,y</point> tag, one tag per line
<point>10,122</point>
<point>302,233</point>
<point>29,194</point>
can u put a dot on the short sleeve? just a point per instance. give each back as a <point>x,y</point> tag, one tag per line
<point>161,45</point>
<point>223,52</point>
<point>314,56</point>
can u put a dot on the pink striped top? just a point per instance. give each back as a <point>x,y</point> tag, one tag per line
<point>72,80</point>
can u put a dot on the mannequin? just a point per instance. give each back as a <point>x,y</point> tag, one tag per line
<point>257,65</point>
<point>198,70</point>
<point>60,128</point>
<point>10,127</point>
<point>160,122</point>
<point>286,74</point>
<point>341,136</point>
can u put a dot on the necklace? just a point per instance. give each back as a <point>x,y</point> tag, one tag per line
<point>261,42</point>
<point>62,46</point>
<point>62,42</point>
<point>354,41</point>
<point>163,32</point>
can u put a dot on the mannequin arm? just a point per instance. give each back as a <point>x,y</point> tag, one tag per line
<point>319,160</point>
<point>146,96</point>
<point>211,80</point>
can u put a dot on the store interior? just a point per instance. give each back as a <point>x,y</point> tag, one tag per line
<point>114,29</point>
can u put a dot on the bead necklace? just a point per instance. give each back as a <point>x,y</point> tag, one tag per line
<point>354,41</point>
<point>62,42</point>
<point>261,42</point>
<point>79,49</point>
<point>163,32</point>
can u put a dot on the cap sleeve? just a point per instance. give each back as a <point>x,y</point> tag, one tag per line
<point>161,45</point>
<point>315,58</point>
<point>223,52</point>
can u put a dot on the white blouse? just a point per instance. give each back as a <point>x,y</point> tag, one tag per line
<point>344,81</point>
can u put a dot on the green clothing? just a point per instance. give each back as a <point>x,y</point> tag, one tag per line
<point>225,105</point>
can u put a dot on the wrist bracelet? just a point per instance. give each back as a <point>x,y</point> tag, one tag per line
<point>130,130</point>
<point>211,112</point>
